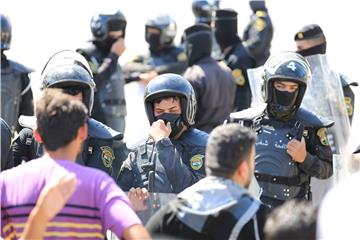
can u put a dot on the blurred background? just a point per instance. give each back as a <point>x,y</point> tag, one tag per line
<point>41,28</point>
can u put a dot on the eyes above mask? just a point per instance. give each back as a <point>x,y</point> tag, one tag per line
<point>285,98</point>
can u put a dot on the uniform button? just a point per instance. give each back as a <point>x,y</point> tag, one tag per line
<point>274,179</point>
<point>275,196</point>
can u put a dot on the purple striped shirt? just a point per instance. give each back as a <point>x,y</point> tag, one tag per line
<point>97,205</point>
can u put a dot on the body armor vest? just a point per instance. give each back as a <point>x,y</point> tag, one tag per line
<point>273,160</point>
<point>11,92</point>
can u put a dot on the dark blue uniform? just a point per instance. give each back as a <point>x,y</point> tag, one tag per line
<point>177,163</point>
<point>280,177</point>
<point>349,96</point>
<point>258,35</point>
<point>239,60</point>
<point>102,149</point>
<point>16,94</point>
<point>6,154</point>
<point>109,99</point>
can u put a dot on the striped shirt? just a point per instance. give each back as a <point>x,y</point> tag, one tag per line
<point>97,205</point>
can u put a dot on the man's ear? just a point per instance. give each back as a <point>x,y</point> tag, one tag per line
<point>37,135</point>
<point>242,170</point>
<point>83,132</point>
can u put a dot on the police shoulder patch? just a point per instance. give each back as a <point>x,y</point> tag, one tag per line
<point>238,76</point>
<point>107,156</point>
<point>322,137</point>
<point>197,161</point>
<point>349,107</point>
<point>260,24</point>
<point>181,57</point>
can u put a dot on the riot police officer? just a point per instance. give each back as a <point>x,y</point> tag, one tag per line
<point>259,32</point>
<point>212,81</point>
<point>204,11</point>
<point>236,56</point>
<point>106,46</point>
<point>311,40</point>
<point>16,94</point>
<point>292,145</point>
<point>103,149</point>
<point>173,157</point>
<point>163,57</point>
<point>6,153</point>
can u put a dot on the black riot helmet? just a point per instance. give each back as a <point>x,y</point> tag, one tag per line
<point>203,10</point>
<point>285,66</point>
<point>70,71</point>
<point>171,85</point>
<point>101,24</point>
<point>198,42</point>
<point>5,32</point>
<point>167,28</point>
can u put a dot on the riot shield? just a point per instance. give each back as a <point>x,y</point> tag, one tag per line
<point>324,96</point>
<point>256,82</point>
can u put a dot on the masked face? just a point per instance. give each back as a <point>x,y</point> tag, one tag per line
<point>284,97</point>
<point>174,120</point>
<point>169,110</point>
<point>153,39</point>
<point>311,50</point>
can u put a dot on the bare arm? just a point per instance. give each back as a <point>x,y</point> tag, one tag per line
<point>136,231</point>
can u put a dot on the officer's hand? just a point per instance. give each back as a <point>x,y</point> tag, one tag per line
<point>118,47</point>
<point>137,197</point>
<point>297,150</point>
<point>159,130</point>
<point>145,78</point>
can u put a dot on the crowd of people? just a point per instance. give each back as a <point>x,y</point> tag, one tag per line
<point>67,171</point>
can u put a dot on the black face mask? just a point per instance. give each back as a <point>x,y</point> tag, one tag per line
<point>197,47</point>
<point>318,49</point>
<point>283,106</point>
<point>225,38</point>
<point>175,122</point>
<point>154,42</point>
<point>285,98</point>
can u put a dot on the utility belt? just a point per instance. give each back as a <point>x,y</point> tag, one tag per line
<point>288,181</point>
<point>295,181</point>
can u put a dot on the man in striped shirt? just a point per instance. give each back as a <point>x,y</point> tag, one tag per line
<point>97,204</point>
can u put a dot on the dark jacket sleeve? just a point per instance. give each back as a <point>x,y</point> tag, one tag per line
<point>259,34</point>
<point>6,151</point>
<point>125,178</point>
<point>318,161</point>
<point>349,98</point>
<point>26,102</point>
<point>106,69</point>
<point>178,173</point>
<point>24,146</point>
